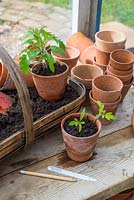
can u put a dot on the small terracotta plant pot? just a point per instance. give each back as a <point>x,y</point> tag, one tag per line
<point>80,149</point>
<point>120,72</point>
<point>79,41</point>
<point>125,79</point>
<point>70,58</point>
<point>87,56</point>
<point>103,67</point>
<point>86,73</point>
<point>3,74</point>
<point>125,89</point>
<point>51,88</point>
<point>109,107</point>
<point>109,40</point>
<point>121,59</point>
<point>102,57</point>
<point>106,89</point>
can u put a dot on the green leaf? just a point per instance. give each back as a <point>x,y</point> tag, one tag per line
<point>110,116</point>
<point>57,50</point>
<point>62,45</point>
<point>101,105</point>
<point>72,123</point>
<point>29,42</point>
<point>24,64</point>
<point>82,114</point>
<point>51,62</point>
<point>80,127</point>
<point>82,122</point>
<point>32,54</point>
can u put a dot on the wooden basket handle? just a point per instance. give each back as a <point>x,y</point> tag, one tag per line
<point>22,93</point>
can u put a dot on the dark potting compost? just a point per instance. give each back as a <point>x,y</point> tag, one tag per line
<point>13,121</point>
<point>45,71</point>
<point>88,129</point>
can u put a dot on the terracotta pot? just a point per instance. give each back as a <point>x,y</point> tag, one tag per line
<point>51,88</point>
<point>125,79</point>
<point>125,195</point>
<point>70,58</point>
<point>103,67</point>
<point>80,149</point>
<point>109,40</point>
<point>109,107</point>
<point>106,89</point>
<point>121,59</point>
<point>125,89</point>
<point>27,77</point>
<point>3,74</point>
<point>85,74</point>
<point>87,56</point>
<point>79,41</point>
<point>102,57</point>
<point>119,72</point>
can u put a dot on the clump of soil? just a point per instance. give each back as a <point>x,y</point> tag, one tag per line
<point>13,122</point>
<point>88,129</point>
<point>45,71</point>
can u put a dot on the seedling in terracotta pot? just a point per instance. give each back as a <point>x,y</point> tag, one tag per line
<point>80,132</point>
<point>5,103</point>
<point>49,75</point>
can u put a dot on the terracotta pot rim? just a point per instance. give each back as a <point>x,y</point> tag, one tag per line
<point>109,65</point>
<point>48,77</point>
<point>78,114</point>
<point>120,76</point>
<point>106,104</point>
<point>111,91</point>
<point>81,65</point>
<point>94,61</point>
<point>108,30</point>
<point>122,50</point>
<point>107,52</point>
<point>72,58</point>
<point>128,84</point>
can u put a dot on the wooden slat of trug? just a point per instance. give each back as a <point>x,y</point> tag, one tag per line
<point>112,166</point>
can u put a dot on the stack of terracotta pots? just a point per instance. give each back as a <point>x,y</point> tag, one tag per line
<point>106,42</point>
<point>121,66</point>
<point>106,89</point>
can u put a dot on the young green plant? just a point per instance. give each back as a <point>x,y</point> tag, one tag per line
<point>101,113</point>
<point>36,44</point>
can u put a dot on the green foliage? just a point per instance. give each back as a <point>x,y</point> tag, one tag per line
<point>103,113</point>
<point>78,122</point>
<point>35,42</point>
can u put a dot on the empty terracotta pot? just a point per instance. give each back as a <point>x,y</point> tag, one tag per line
<point>125,79</point>
<point>86,73</point>
<point>121,59</point>
<point>87,56</point>
<point>126,88</point>
<point>3,74</point>
<point>51,88</point>
<point>102,57</point>
<point>80,149</point>
<point>120,72</point>
<point>70,58</point>
<point>109,40</point>
<point>79,41</point>
<point>106,88</point>
<point>109,107</point>
<point>125,195</point>
<point>103,67</point>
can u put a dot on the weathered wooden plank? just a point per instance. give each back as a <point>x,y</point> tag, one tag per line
<point>112,166</point>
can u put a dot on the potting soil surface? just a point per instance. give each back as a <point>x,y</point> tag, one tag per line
<point>13,121</point>
<point>88,129</point>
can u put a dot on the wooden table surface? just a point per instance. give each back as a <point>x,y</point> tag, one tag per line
<point>112,166</point>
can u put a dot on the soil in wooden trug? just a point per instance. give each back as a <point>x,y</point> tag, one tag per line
<point>88,129</point>
<point>13,122</point>
<point>45,71</point>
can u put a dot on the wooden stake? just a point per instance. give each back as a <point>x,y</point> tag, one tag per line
<point>42,175</point>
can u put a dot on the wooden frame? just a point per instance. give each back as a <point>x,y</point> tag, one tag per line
<point>86,16</point>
